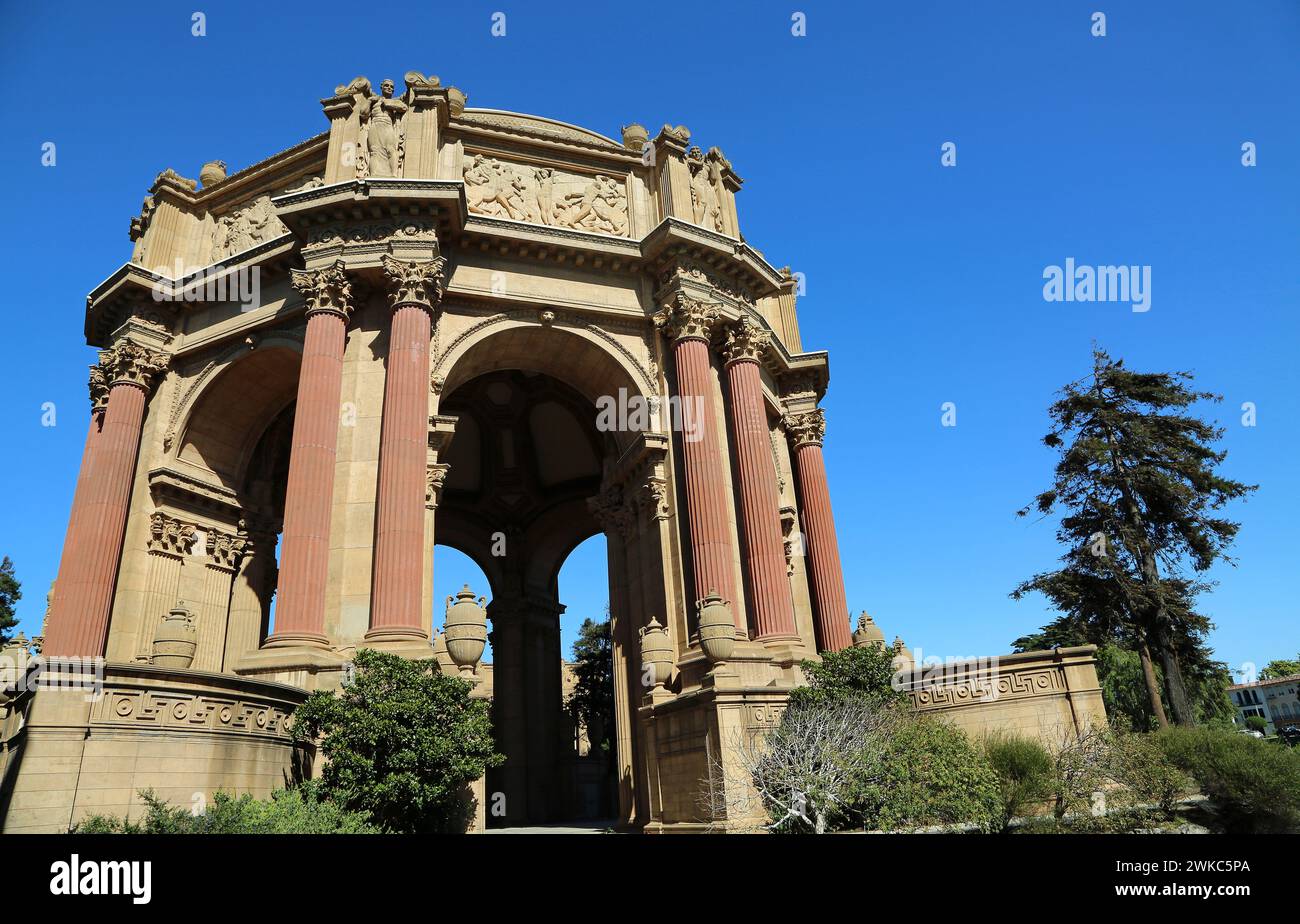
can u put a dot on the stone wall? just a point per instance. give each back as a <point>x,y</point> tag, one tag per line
<point>66,754</point>
<point>1046,695</point>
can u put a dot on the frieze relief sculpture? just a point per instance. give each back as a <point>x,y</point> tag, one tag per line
<point>545,196</point>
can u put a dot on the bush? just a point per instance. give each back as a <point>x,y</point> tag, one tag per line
<point>1024,769</point>
<point>402,743</point>
<point>1253,784</point>
<point>288,811</point>
<point>929,774</point>
<point>1256,723</point>
<point>1139,764</point>
<point>853,672</point>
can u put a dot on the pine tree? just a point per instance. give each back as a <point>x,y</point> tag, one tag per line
<point>10,593</point>
<point>1137,483</point>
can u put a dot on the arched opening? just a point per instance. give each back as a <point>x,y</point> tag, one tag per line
<point>525,459</point>
<point>236,439</point>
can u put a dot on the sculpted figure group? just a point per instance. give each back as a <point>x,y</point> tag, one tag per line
<point>545,196</point>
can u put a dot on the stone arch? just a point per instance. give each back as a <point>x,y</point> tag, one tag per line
<point>220,419</point>
<point>582,355</point>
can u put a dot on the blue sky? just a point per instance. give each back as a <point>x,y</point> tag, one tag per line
<point>924,282</point>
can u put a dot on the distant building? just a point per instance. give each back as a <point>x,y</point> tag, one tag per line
<point>1275,701</point>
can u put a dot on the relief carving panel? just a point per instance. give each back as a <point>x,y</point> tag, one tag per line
<point>546,196</point>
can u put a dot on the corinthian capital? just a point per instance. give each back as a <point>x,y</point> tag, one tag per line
<point>170,536</point>
<point>805,428</point>
<point>127,362</point>
<point>325,290</point>
<point>435,477</point>
<point>225,549</point>
<point>747,340</point>
<point>686,318</point>
<point>98,388</point>
<point>414,283</point>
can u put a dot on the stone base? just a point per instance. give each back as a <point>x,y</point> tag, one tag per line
<point>307,667</point>
<point>66,754</point>
<point>692,744</point>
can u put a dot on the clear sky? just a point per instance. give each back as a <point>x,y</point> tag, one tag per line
<point>924,281</point>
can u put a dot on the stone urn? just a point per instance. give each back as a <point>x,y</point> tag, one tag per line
<point>466,630</point>
<point>635,137</point>
<point>175,639</point>
<point>656,655</point>
<point>717,628</point>
<point>213,172</point>
<point>456,101</point>
<point>868,633</point>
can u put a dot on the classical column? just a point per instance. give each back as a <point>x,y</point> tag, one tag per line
<point>83,594</point>
<point>773,604</point>
<point>309,494</point>
<point>806,432</point>
<point>689,323</point>
<point>395,608</point>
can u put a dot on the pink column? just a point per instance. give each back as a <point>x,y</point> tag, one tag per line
<point>309,494</point>
<point>773,604</point>
<point>83,592</point>
<point>820,544</point>
<point>690,323</point>
<point>395,611</point>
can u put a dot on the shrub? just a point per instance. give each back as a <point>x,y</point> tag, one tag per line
<point>929,774</point>
<point>1139,764</point>
<point>288,811</point>
<point>1253,784</point>
<point>853,672</point>
<point>402,743</point>
<point>1024,769</point>
<point>1256,723</point>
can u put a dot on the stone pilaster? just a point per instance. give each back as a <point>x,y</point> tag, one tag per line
<point>83,596</point>
<point>773,605</point>
<point>395,613</point>
<point>250,596</point>
<point>170,541</point>
<point>224,553</point>
<point>806,432</point>
<point>309,496</point>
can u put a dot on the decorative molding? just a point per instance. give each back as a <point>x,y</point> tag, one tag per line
<point>178,709</point>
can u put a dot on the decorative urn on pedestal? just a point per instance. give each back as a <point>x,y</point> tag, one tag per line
<point>656,655</point>
<point>466,630</point>
<point>717,628</point>
<point>175,639</point>
<point>868,633</point>
<point>213,172</point>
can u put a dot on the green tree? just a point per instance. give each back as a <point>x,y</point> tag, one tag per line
<point>1274,670</point>
<point>10,593</point>
<point>592,699</point>
<point>1136,478</point>
<point>866,673</point>
<point>402,741</point>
